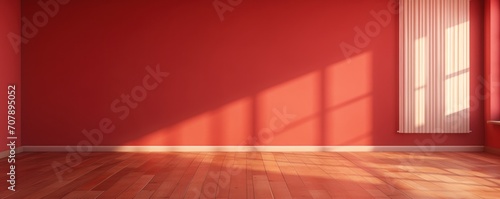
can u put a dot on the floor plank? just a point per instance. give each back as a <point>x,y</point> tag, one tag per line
<point>135,188</point>
<point>83,194</point>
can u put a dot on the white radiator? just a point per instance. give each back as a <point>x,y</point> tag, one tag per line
<point>434,66</point>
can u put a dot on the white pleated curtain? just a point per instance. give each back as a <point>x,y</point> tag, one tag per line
<point>434,66</point>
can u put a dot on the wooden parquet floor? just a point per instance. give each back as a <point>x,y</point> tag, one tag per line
<point>256,175</point>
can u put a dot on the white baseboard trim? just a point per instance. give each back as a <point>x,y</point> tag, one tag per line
<point>6,153</point>
<point>255,148</point>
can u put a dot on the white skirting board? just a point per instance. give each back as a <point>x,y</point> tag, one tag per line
<point>254,148</point>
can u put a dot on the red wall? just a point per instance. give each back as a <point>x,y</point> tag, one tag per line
<point>492,71</point>
<point>228,80</point>
<point>10,65</point>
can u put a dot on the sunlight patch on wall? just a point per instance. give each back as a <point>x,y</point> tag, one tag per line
<point>290,110</point>
<point>347,80</point>
<point>352,123</point>
<point>349,101</point>
<point>229,124</point>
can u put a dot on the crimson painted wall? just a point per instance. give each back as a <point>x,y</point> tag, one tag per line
<point>270,73</point>
<point>10,65</point>
<point>492,71</point>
